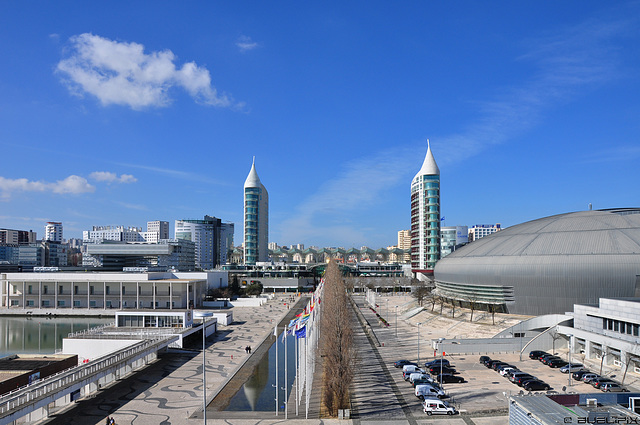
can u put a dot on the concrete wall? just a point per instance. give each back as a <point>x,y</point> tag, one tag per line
<point>93,348</point>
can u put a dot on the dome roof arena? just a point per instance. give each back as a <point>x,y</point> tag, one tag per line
<point>547,265</point>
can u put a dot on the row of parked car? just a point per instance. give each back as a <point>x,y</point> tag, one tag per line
<point>427,383</point>
<point>515,375</point>
<point>578,372</point>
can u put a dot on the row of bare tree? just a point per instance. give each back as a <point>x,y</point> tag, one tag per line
<point>427,294</point>
<point>336,339</point>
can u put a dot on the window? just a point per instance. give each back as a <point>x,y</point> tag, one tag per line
<point>60,289</point>
<point>14,303</point>
<point>108,303</point>
<point>45,303</point>
<point>30,303</point>
<point>45,289</point>
<point>635,330</point>
<point>15,289</point>
<point>616,326</point>
<point>75,290</point>
<point>30,289</point>
<point>92,303</point>
<point>60,303</point>
<point>124,290</point>
<point>107,290</point>
<point>76,303</point>
<point>90,290</point>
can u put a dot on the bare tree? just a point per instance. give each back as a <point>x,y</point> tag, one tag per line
<point>421,293</point>
<point>555,335</point>
<point>492,309</point>
<point>337,341</point>
<point>473,301</point>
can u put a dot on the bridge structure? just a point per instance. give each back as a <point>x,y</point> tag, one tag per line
<point>37,400</point>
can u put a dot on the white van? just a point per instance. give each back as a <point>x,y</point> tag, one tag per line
<point>419,375</point>
<point>424,391</point>
<point>409,369</point>
<point>431,406</point>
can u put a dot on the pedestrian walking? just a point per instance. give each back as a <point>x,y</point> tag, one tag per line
<point>249,349</point>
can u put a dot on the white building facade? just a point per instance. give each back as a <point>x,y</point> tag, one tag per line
<point>256,219</point>
<point>481,230</point>
<point>425,216</point>
<point>113,233</point>
<point>53,231</point>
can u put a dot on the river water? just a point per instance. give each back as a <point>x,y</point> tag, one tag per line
<point>40,335</point>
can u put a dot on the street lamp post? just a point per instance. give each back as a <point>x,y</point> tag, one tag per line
<point>570,347</point>
<point>419,343</point>
<point>441,358</point>
<point>396,321</point>
<point>203,315</point>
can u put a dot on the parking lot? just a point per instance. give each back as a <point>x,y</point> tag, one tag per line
<point>483,397</point>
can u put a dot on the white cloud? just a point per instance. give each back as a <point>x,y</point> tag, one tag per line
<point>109,177</point>
<point>72,184</point>
<point>245,43</point>
<point>121,73</point>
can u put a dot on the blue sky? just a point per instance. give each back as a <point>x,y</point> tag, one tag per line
<point>118,113</point>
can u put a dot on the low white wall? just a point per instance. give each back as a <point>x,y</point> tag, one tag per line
<point>224,318</point>
<point>247,302</point>
<point>94,348</point>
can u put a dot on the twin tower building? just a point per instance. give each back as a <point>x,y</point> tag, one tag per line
<point>425,217</point>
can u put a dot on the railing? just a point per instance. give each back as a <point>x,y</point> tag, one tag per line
<point>90,331</point>
<point>16,399</point>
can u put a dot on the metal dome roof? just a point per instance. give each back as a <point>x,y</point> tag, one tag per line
<point>603,232</point>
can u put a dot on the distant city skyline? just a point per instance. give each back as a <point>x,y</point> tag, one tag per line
<point>531,108</point>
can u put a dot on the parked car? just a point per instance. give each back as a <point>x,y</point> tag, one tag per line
<point>535,354</point>
<point>448,378</point>
<point>520,380</point>
<point>506,370</point>
<point>428,391</point>
<point>417,375</point>
<point>577,375</point>
<point>484,359</point>
<point>510,373</point>
<point>547,359</point>
<point>557,363</point>
<point>544,358</point>
<point>536,385</point>
<point>431,407</point>
<point>417,382</point>
<point>436,362</point>
<point>587,377</point>
<point>401,363</point>
<point>496,365</point>
<point>490,363</point>
<point>598,382</point>
<point>518,375</point>
<point>613,387</point>
<point>573,367</point>
<point>435,370</point>
<point>408,370</point>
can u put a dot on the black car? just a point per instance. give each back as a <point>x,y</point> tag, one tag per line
<point>447,377</point>
<point>435,370</point>
<point>484,359</point>
<point>436,362</point>
<point>421,382</point>
<point>401,363</point>
<point>490,363</point>
<point>524,378</point>
<point>577,375</point>
<point>535,354</point>
<point>555,363</point>
<point>547,359</point>
<point>536,385</point>
<point>495,365</point>
<point>544,357</point>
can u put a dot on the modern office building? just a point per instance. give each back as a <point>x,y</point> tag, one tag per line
<point>10,236</point>
<point>156,231</point>
<point>226,242</point>
<point>53,231</point>
<point>113,233</point>
<point>256,219</point>
<point>481,230</point>
<point>451,238</point>
<point>546,266</point>
<point>166,254</point>
<point>425,216</point>
<point>206,235</point>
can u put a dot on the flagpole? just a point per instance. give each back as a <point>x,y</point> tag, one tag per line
<point>275,332</point>
<point>286,381</point>
<point>297,373</point>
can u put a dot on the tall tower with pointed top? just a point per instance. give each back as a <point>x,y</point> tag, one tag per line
<point>425,215</point>
<point>256,218</point>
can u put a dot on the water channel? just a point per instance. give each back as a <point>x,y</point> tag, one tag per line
<point>40,335</point>
<point>258,392</point>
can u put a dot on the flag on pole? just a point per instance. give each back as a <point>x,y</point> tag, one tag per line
<point>302,332</point>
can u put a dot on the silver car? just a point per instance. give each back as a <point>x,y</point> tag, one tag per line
<point>573,367</point>
<point>612,387</point>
